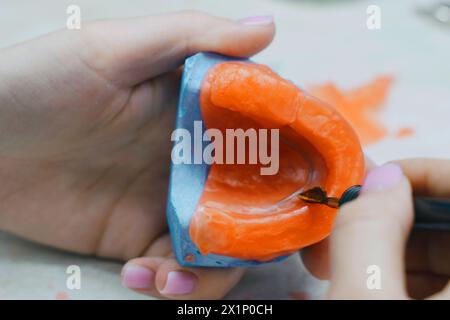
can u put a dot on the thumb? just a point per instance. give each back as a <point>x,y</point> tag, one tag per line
<point>369,238</point>
<point>136,49</point>
<point>163,277</point>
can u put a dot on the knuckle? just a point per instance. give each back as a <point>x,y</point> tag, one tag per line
<point>94,38</point>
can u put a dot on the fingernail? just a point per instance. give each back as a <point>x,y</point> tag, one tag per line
<point>179,282</point>
<point>257,20</point>
<point>137,277</point>
<point>383,177</point>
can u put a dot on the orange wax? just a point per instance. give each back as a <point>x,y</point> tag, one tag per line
<point>246,215</point>
<point>404,132</point>
<point>359,106</point>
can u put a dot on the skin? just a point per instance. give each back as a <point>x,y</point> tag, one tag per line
<point>85,124</point>
<point>376,229</point>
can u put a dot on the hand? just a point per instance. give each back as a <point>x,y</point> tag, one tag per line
<point>375,230</point>
<point>85,124</point>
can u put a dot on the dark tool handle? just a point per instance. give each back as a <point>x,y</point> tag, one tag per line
<point>430,213</point>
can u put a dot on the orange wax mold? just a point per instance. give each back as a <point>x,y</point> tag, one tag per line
<point>249,216</point>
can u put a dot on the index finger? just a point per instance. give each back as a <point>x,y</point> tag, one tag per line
<point>370,236</point>
<point>316,257</point>
<point>428,177</point>
<point>138,49</point>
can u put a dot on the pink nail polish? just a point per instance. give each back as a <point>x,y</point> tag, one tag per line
<point>257,20</point>
<point>383,177</point>
<point>137,277</point>
<point>179,282</point>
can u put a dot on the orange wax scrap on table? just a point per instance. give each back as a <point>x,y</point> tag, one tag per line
<point>359,106</point>
<point>404,132</point>
<point>246,215</point>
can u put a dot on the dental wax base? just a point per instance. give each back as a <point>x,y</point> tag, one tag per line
<point>230,214</point>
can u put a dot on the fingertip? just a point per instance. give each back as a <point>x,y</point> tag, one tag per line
<point>391,207</point>
<point>261,20</point>
<point>385,195</point>
<point>370,233</point>
<point>139,275</point>
<point>264,25</point>
<point>382,178</point>
<point>260,35</point>
<point>164,278</point>
<point>176,282</point>
<point>238,38</point>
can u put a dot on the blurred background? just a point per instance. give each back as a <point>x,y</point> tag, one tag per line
<point>392,82</point>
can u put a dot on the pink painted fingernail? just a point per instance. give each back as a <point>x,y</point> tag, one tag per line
<point>257,20</point>
<point>137,277</point>
<point>179,282</point>
<point>383,177</point>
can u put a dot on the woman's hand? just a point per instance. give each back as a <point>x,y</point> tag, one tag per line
<point>85,124</point>
<point>374,230</point>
